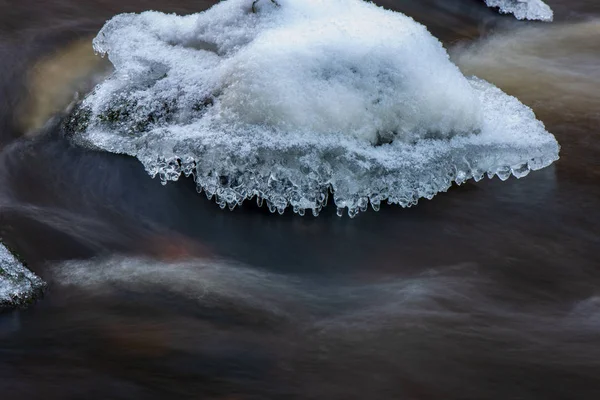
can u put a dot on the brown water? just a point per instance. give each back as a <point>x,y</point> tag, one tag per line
<point>489,291</point>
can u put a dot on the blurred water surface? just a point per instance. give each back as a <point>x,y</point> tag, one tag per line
<point>489,291</point>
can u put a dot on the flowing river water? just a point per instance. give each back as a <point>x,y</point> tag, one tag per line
<point>488,291</point>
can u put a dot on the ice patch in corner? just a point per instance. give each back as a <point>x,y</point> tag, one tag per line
<point>18,285</point>
<point>295,101</point>
<point>535,10</point>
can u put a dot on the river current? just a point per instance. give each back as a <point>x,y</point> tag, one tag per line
<point>488,291</point>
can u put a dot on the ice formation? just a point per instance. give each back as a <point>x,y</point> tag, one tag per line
<point>524,9</point>
<point>291,101</point>
<point>18,285</point>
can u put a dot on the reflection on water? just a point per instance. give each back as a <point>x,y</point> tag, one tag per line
<point>489,291</point>
<point>553,67</point>
<point>53,81</point>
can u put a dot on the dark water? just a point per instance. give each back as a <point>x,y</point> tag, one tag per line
<point>489,291</point>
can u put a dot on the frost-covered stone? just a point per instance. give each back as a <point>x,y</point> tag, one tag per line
<point>293,100</point>
<point>18,285</point>
<point>524,9</point>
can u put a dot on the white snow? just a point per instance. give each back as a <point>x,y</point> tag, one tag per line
<point>524,9</point>
<point>299,98</point>
<point>18,285</point>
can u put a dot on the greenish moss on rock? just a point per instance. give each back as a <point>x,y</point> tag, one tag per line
<point>78,120</point>
<point>129,117</point>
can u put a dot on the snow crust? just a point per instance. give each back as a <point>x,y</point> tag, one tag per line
<point>293,100</point>
<point>18,285</point>
<point>524,9</point>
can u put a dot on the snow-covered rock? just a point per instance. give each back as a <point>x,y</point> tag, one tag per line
<point>292,100</point>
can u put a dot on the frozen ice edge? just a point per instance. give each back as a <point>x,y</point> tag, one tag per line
<point>459,170</point>
<point>534,10</point>
<point>18,285</point>
<point>402,182</point>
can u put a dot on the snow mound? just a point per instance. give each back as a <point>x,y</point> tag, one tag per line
<point>18,285</point>
<point>293,100</point>
<point>535,10</point>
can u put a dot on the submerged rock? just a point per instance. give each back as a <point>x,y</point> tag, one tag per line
<point>18,286</point>
<point>524,9</point>
<point>290,101</point>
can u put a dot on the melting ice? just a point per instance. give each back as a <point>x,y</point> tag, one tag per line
<point>18,285</point>
<point>524,9</point>
<point>291,101</point>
